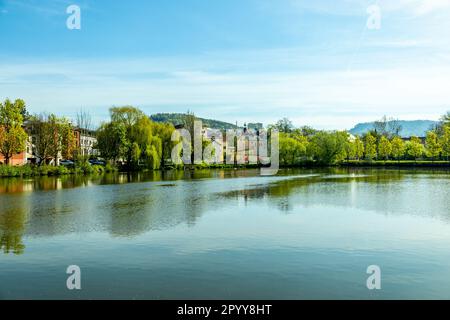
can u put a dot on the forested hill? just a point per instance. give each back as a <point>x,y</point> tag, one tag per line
<point>177,118</point>
<point>409,128</point>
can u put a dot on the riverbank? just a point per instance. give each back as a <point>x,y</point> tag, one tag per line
<point>36,171</point>
<point>394,163</point>
<point>32,171</point>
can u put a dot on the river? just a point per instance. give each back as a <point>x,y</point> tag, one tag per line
<point>228,234</point>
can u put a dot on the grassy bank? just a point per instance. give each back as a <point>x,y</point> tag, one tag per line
<point>394,163</point>
<point>35,171</point>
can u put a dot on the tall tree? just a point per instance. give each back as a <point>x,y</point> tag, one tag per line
<point>415,148</point>
<point>370,146</point>
<point>12,135</point>
<point>284,125</point>
<point>54,138</point>
<point>433,147</point>
<point>445,142</point>
<point>384,148</point>
<point>84,120</point>
<point>398,148</point>
<point>127,117</point>
<point>328,147</point>
<point>359,148</point>
<point>112,141</point>
<point>446,119</point>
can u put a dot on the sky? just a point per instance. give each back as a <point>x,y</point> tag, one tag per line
<point>320,63</point>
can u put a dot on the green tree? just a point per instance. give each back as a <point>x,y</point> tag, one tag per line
<point>60,137</point>
<point>446,119</point>
<point>112,141</point>
<point>359,148</point>
<point>128,117</point>
<point>328,147</point>
<point>384,148</point>
<point>445,141</point>
<point>398,148</point>
<point>284,125</point>
<point>433,147</point>
<point>164,132</point>
<point>12,135</point>
<point>416,148</point>
<point>370,146</point>
<point>291,148</point>
<point>350,150</point>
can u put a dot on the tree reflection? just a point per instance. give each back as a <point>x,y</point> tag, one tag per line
<point>12,228</point>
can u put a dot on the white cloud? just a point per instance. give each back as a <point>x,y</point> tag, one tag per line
<point>333,99</point>
<point>429,6</point>
<point>358,7</point>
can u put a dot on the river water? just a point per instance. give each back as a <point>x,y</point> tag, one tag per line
<point>226,234</point>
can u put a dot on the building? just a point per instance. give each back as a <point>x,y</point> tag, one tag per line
<point>86,141</point>
<point>16,160</point>
<point>25,156</point>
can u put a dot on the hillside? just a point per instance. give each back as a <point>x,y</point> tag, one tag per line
<point>409,128</point>
<point>177,118</point>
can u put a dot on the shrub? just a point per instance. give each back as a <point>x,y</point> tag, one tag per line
<point>109,168</point>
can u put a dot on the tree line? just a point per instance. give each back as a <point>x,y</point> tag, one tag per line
<point>132,138</point>
<point>383,142</point>
<point>53,136</point>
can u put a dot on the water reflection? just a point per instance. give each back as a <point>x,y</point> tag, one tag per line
<point>12,229</point>
<point>128,205</point>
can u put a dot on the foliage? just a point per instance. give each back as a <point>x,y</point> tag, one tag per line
<point>359,148</point>
<point>135,138</point>
<point>398,147</point>
<point>384,148</point>
<point>12,136</point>
<point>284,125</point>
<point>433,147</point>
<point>292,148</point>
<point>328,147</point>
<point>445,141</point>
<point>370,146</point>
<point>415,148</point>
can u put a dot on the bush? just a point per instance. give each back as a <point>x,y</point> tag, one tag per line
<point>109,168</point>
<point>98,169</point>
<point>46,170</point>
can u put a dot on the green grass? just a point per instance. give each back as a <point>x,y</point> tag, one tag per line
<point>32,171</point>
<point>393,163</point>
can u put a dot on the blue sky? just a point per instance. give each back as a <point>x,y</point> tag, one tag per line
<point>315,62</point>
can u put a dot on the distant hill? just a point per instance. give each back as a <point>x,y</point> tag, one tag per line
<point>409,128</point>
<point>177,118</point>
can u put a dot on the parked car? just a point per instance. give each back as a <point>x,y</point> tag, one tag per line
<point>96,162</point>
<point>66,163</point>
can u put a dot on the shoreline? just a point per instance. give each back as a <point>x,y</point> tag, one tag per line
<point>50,171</point>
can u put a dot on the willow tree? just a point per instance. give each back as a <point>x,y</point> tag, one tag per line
<point>12,135</point>
<point>128,117</point>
